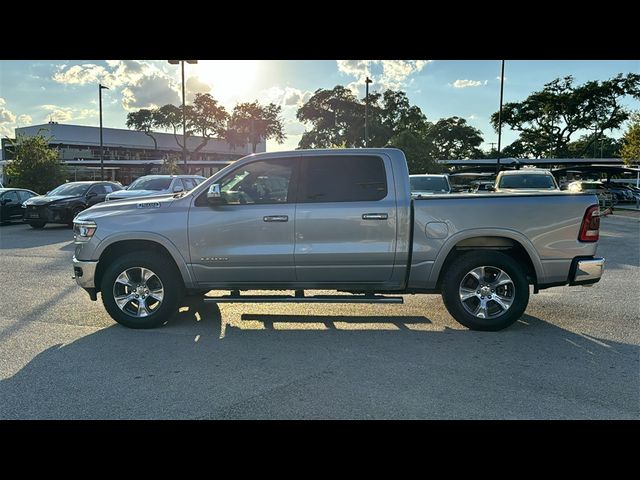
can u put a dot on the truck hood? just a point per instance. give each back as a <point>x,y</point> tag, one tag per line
<point>133,206</point>
<point>135,193</point>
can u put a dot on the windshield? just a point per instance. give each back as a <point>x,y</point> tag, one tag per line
<point>69,190</point>
<point>530,180</point>
<point>428,184</point>
<point>150,184</point>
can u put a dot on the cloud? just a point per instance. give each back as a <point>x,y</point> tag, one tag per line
<point>285,97</point>
<point>58,114</point>
<point>195,85</point>
<point>140,84</point>
<point>66,114</point>
<point>473,116</point>
<point>150,92</point>
<point>6,131</point>
<point>386,74</point>
<point>80,74</point>
<point>25,119</point>
<point>468,83</point>
<point>498,78</point>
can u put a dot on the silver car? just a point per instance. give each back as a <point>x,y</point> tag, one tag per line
<point>158,185</point>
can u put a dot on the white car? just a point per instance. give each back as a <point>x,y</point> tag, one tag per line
<point>157,185</point>
<point>525,180</point>
<point>429,184</point>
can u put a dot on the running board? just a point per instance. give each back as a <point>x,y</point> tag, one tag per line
<point>303,299</point>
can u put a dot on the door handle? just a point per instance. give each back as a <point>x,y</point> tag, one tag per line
<point>374,216</point>
<point>276,218</point>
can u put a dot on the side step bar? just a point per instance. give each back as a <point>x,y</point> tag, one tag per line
<point>302,299</point>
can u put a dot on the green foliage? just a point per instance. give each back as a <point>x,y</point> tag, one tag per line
<point>169,117</point>
<point>630,150</point>
<point>453,138</point>
<point>170,165</point>
<point>604,147</point>
<point>251,123</point>
<point>35,165</point>
<point>336,118</point>
<point>143,121</point>
<point>206,118</point>
<point>548,118</point>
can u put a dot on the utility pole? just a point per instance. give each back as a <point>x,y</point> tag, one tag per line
<point>184,113</point>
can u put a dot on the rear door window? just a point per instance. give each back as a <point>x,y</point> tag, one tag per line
<point>343,179</point>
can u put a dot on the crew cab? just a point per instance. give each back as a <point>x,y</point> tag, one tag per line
<point>340,220</point>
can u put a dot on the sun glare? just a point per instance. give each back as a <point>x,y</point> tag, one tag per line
<point>230,80</point>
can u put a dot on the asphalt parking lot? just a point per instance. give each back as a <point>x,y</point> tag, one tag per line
<point>574,355</point>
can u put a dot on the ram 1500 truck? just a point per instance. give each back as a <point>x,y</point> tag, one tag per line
<point>339,220</point>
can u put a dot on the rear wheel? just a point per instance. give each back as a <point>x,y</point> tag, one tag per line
<point>485,290</point>
<point>37,225</point>
<point>141,290</point>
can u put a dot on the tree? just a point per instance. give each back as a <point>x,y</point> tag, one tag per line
<point>206,118</point>
<point>605,147</point>
<point>418,151</point>
<point>169,117</point>
<point>630,150</point>
<point>453,138</point>
<point>170,165</point>
<point>35,166</point>
<point>251,123</point>
<point>336,117</point>
<point>143,121</point>
<point>548,118</point>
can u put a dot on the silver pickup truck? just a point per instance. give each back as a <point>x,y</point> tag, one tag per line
<point>339,220</point>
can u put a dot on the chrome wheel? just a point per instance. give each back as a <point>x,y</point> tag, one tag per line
<point>487,292</point>
<point>138,292</point>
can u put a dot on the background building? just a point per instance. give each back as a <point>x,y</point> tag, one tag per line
<point>128,154</point>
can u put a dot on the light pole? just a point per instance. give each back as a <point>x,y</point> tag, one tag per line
<point>184,119</point>
<point>100,87</point>
<point>366,111</point>
<point>500,117</point>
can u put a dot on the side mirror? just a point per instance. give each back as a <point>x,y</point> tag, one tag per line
<point>214,196</point>
<point>4,201</point>
<point>91,194</point>
<point>178,188</point>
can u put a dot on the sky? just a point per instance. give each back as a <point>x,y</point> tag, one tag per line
<point>66,91</point>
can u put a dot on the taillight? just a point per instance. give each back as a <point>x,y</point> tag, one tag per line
<point>590,228</point>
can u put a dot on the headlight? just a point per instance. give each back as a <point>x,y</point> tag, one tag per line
<point>83,230</point>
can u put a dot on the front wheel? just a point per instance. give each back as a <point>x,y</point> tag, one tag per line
<point>141,290</point>
<point>37,225</point>
<point>485,290</point>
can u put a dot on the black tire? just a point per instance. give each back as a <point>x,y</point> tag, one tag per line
<point>166,272</point>
<point>37,225</point>
<point>464,264</point>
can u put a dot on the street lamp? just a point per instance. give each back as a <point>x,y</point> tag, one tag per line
<point>100,87</point>
<point>500,117</point>
<point>366,112</point>
<point>184,121</point>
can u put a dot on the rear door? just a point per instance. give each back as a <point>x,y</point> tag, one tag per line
<point>345,229</point>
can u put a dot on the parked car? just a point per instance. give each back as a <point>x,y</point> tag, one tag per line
<point>346,221</point>
<point>525,180</point>
<point>482,187</point>
<point>63,203</point>
<point>11,203</point>
<point>605,198</point>
<point>620,192</point>
<point>157,185</point>
<point>429,184</point>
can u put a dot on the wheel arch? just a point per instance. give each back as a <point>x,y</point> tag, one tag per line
<point>118,245</point>
<point>510,242</point>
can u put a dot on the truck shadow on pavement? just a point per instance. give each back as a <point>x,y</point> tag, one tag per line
<point>20,236</point>
<point>199,367</point>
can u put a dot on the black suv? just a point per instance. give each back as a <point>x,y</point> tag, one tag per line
<point>63,203</point>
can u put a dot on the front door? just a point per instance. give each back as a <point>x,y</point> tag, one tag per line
<point>249,238</point>
<point>345,220</point>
